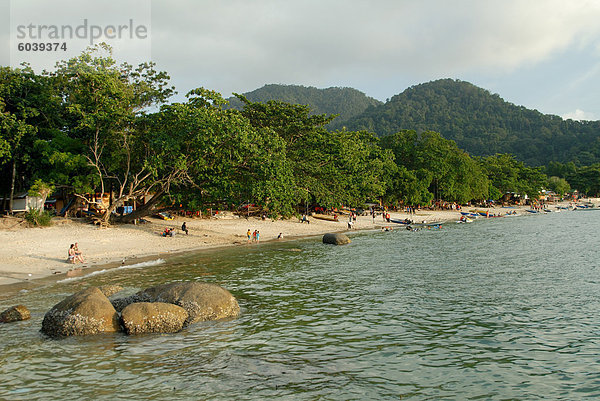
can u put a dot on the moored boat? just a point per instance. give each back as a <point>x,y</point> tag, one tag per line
<point>325,217</point>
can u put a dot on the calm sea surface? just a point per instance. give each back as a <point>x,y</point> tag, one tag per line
<point>499,309</point>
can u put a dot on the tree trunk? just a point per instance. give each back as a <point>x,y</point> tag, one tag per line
<point>12,186</point>
<point>143,210</point>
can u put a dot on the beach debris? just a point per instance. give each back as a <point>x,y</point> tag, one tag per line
<point>202,301</point>
<point>336,239</point>
<point>83,313</point>
<point>15,313</point>
<point>153,317</point>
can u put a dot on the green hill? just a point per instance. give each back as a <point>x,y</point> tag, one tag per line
<point>483,123</point>
<point>346,102</point>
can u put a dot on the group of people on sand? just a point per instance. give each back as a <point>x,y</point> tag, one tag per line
<point>253,236</point>
<point>170,231</point>
<point>75,255</point>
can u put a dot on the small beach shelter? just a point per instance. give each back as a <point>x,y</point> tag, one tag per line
<point>24,202</point>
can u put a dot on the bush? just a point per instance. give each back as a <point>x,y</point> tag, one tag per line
<point>37,218</point>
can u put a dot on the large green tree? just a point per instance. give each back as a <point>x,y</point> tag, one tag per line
<point>506,174</point>
<point>329,168</point>
<point>428,161</point>
<point>103,103</point>
<point>27,106</point>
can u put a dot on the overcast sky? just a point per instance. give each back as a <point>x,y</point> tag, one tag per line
<point>542,54</point>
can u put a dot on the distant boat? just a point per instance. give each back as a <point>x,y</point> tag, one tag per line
<point>400,221</point>
<point>325,217</point>
<point>436,224</point>
<point>532,211</point>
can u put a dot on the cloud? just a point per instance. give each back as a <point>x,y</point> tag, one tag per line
<point>578,115</point>
<point>241,44</point>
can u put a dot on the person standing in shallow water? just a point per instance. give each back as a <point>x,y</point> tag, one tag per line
<point>249,234</point>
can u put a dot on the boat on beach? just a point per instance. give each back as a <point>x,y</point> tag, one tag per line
<point>327,217</point>
<point>400,221</point>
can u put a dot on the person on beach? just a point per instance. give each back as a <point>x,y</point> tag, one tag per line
<point>257,236</point>
<point>184,228</point>
<point>249,234</point>
<point>254,235</point>
<point>304,219</point>
<point>74,254</point>
<point>280,236</point>
<point>71,254</point>
<point>78,254</point>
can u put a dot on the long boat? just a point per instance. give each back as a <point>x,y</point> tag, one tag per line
<point>432,224</point>
<point>400,221</point>
<point>324,217</point>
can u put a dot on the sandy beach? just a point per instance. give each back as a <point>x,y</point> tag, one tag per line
<point>35,253</point>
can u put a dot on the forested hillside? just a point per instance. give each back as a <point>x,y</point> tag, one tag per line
<point>346,102</point>
<point>483,123</point>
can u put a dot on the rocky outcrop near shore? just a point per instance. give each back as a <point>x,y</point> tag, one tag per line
<point>15,314</point>
<point>156,317</point>
<point>202,301</point>
<point>83,313</point>
<point>165,308</point>
<point>336,239</point>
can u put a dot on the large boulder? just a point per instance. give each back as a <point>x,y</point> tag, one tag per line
<point>202,301</point>
<point>86,312</point>
<point>155,317</point>
<point>336,239</point>
<point>15,314</point>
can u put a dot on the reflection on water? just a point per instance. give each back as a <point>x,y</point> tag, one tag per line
<point>502,309</point>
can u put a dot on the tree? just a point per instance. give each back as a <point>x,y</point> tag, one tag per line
<point>330,169</point>
<point>25,101</point>
<point>225,158</point>
<point>559,186</point>
<point>436,164</point>
<point>506,174</point>
<point>103,103</point>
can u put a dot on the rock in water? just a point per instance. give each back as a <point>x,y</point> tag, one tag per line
<point>336,239</point>
<point>86,312</point>
<point>155,317</point>
<point>15,314</point>
<point>202,301</point>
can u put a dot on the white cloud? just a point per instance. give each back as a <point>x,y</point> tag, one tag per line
<point>240,45</point>
<point>578,115</point>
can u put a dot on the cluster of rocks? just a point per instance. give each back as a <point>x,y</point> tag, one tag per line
<point>165,308</point>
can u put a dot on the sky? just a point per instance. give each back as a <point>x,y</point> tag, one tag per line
<point>542,54</point>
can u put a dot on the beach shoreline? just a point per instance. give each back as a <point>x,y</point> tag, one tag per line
<point>33,256</point>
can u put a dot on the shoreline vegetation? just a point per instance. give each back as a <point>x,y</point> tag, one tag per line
<point>96,139</point>
<point>34,256</point>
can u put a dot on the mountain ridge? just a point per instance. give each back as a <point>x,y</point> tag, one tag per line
<point>479,122</point>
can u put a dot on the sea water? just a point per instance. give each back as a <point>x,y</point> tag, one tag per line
<point>504,308</point>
